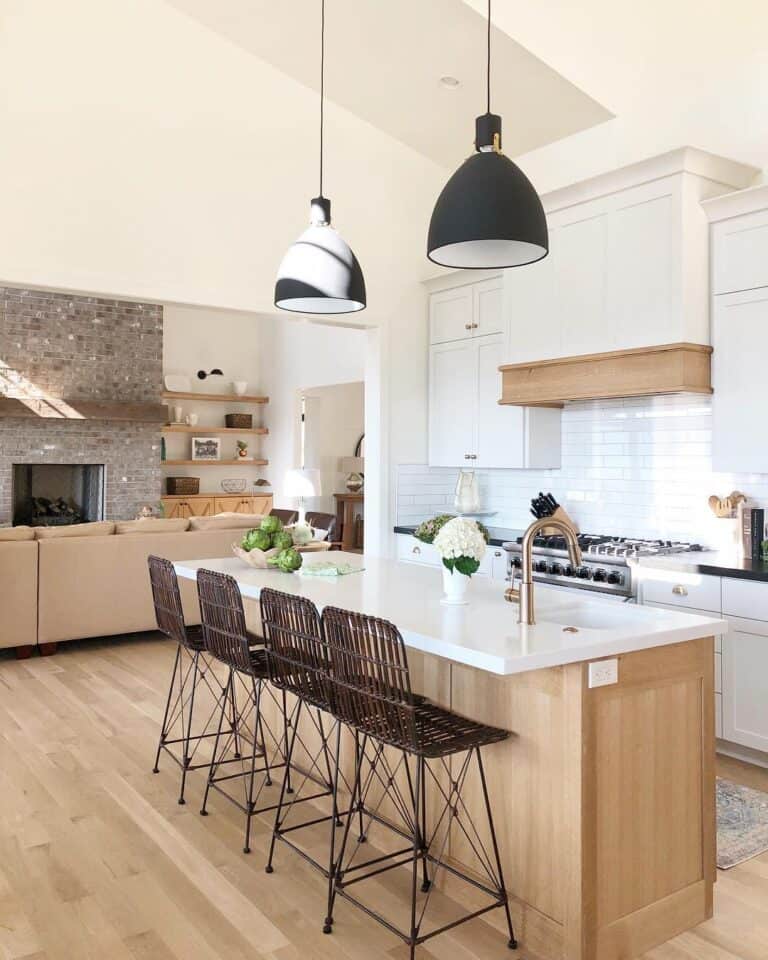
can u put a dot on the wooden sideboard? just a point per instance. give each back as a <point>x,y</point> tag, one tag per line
<point>207,505</point>
<point>349,521</point>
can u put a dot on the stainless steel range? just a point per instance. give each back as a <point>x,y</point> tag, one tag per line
<point>606,567</point>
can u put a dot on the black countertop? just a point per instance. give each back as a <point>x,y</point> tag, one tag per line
<point>499,535</point>
<point>710,562</point>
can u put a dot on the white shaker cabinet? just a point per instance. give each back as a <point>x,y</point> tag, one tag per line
<point>466,311</point>
<point>467,425</point>
<point>740,246</point>
<point>745,683</point>
<point>740,341</point>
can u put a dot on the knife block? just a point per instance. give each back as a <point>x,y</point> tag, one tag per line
<point>559,514</point>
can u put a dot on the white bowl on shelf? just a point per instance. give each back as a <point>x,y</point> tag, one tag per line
<point>236,485</point>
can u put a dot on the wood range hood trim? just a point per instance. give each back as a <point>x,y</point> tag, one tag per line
<point>55,408</point>
<point>639,372</point>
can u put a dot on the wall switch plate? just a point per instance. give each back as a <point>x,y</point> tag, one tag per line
<point>602,673</point>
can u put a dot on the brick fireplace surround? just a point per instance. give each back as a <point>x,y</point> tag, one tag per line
<point>82,348</point>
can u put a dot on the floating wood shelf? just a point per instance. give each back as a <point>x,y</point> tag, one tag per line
<point>214,463</point>
<point>55,409</point>
<point>204,431</point>
<point>641,372</point>
<point>214,397</point>
<point>217,495</point>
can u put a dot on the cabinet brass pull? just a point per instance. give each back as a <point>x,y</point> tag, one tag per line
<point>416,550</point>
<point>497,553</point>
<point>467,326</point>
<point>679,590</point>
<point>474,326</point>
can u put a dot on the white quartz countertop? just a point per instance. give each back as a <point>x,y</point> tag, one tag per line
<point>485,633</point>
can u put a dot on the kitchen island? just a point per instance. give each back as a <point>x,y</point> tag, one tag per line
<point>603,795</point>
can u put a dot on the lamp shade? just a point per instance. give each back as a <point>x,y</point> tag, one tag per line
<point>302,482</point>
<point>488,215</point>
<point>319,273</point>
<point>352,464</point>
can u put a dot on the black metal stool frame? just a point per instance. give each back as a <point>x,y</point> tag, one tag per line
<point>373,693</point>
<point>227,639</point>
<point>191,666</point>
<point>298,663</point>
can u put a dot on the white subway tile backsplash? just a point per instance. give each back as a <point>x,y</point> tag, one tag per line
<point>637,467</point>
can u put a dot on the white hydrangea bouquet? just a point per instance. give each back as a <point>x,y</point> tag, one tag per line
<point>461,545</point>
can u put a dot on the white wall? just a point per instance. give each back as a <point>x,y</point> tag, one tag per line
<point>197,338</point>
<point>297,354</point>
<point>334,421</point>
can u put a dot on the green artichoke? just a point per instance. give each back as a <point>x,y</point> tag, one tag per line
<point>282,540</point>
<point>271,524</point>
<point>256,540</point>
<point>286,560</point>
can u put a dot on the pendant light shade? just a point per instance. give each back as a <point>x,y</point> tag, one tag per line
<point>320,273</point>
<point>488,214</point>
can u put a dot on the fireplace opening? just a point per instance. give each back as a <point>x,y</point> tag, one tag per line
<point>56,494</point>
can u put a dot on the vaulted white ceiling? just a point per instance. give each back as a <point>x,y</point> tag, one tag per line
<point>384,61</point>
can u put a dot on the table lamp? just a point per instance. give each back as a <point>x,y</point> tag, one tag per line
<point>301,483</point>
<point>354,467</point>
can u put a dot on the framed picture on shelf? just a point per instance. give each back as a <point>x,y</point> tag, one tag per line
<point>206,448</point>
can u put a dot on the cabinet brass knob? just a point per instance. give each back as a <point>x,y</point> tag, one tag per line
<point>416,550</point>
<point>467,326</point>
<point>679,590</point>
<point>497,553</point>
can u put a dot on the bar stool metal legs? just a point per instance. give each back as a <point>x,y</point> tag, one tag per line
<point>407,747</point>
<point>183,730</point>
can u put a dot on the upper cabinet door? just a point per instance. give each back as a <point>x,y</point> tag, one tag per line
<point>642,301</point>
<point>578,253</point>
<point>740,253</point>
<point>740,340</point>
<point>451,314</point>
<point>500,430</point>
<point>487,312</point>
<point>452,404</point>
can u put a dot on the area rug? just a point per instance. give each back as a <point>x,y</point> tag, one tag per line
<point>742,823</point>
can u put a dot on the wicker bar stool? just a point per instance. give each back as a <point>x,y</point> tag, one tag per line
<point>191,669</point>
<point>298,664</point>
<point>248,693</point>
<point>407,737</point>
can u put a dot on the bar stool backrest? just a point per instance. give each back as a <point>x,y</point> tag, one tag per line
<point>297,656</point>
<point>372,682</point>
<point>169,612</point>
<point>221,609</point>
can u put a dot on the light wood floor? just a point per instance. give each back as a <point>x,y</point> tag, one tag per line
<point>97,859</point>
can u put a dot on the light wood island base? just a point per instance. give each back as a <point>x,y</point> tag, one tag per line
<point>604,798</point>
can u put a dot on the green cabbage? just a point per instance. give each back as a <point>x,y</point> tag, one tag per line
<point>282,540</point>
<point>271,524</point>
<point>256,540</point>
<point>286,560</point>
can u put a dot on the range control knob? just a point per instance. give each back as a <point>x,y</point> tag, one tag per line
<point>540,566</point>
<point>517,563</point>
<point>556,568</point>
<point>567,570</point>
<point>585,573</point>
<point>600,575</point>
<point>615,577</point>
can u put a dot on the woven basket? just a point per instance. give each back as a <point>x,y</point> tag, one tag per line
<point>243,421</point>
<point>183,485</point>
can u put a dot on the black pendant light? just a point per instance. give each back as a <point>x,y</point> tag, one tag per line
<point>320,273</point>
<point>488,215</point>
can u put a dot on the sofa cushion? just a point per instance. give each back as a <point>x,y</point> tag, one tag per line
<point>16,533</point>
<point>100,528</point>
<point>152,525</point>
<point>227,521</point>
<point>18,589</point>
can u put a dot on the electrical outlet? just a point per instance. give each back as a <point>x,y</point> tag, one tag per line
<point>602,673</point>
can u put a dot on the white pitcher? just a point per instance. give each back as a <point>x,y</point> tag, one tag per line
<point>467,496</point>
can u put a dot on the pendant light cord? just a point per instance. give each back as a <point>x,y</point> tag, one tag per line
<point>488,62</point>
<point>322,86</point>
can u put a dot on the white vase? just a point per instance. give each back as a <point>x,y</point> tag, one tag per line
<point>455,586</point>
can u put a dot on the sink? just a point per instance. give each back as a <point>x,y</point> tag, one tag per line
<point>587,618</point>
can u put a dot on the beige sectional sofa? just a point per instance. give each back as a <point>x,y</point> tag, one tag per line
<point>91,580</point>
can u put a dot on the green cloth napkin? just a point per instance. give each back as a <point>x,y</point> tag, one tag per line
<point>327,568</point>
